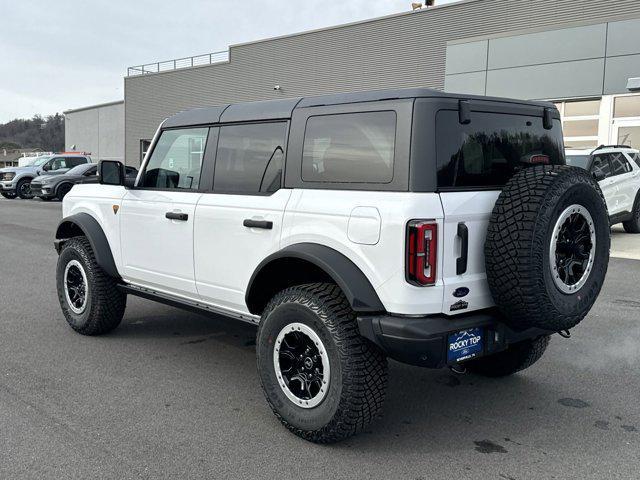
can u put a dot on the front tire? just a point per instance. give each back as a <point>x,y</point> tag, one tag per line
<point>90,299</point>
<point>322,379</point>
<point>23,189</point>
<point>63,190</point>
<point>516,358</point>
<point>9,195</point>
<point>633,225</point>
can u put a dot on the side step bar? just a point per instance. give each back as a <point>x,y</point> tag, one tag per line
<point>197,307</point>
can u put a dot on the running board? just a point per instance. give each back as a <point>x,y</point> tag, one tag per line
<point>185,304</point>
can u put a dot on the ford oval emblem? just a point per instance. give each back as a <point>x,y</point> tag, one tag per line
<point>461,292</point>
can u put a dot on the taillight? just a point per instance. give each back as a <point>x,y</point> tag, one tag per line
<point>422,243</point>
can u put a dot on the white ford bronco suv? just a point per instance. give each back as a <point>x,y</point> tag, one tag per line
<point>431,228</point>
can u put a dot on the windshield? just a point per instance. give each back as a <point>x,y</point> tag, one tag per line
<point>581,161</point>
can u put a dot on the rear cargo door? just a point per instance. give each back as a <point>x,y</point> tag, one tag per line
<point>465,230</point>
<point>475,160</point>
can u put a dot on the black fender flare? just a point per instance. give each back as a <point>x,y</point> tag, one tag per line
<point>347,275</point>
<point>85,224</point>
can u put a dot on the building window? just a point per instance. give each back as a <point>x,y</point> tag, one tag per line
<point>627,107</point>
<point>580,122</point>
<point>144,147</point>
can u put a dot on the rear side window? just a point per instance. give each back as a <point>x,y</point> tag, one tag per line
<point>250,158</point>
<point>176,160</point>
<point>581,161</point>
<point>488,151</point>
<point>636,158</point>
<point>75,161</point>
<point>619,164</point>
<point>349,148</point>
<point>601,165</point>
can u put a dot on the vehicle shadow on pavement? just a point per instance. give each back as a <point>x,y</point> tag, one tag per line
<point>426,410</point>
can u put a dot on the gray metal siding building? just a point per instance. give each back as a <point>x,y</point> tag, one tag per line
<point>98,129</point>
<point>552,49</point>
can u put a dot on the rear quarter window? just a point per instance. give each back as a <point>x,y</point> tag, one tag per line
<point>492,148</point>
<point>349,148</point>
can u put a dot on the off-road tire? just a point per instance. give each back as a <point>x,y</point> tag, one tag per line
<point>517,357</point>
<point>63,190</point>
<point>358,379</point>
<point>633,225</point>
<point>519,270</point>
<point>105,303</point>
<point>21,183</point>
<point>9,195</point>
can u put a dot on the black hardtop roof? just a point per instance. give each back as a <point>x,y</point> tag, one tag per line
<point>283,109</point>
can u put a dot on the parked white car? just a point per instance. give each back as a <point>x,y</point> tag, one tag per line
<point>617,169</point>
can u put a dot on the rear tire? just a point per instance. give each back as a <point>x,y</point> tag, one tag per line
<point>90,299</point>
<point>354,369</point>
<point>9,195</point>
<point>633,225</point>
<point>516,358</point>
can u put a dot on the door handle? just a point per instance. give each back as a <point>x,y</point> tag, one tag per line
<point>249,223</point>
<point>183,217</point>
<point>461,262</point>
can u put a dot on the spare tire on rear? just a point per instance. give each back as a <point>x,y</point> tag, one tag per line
<point>547,247</point>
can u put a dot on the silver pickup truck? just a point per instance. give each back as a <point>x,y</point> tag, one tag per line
<point>16,181</point>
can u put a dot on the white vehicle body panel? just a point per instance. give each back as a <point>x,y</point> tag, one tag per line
<point>620,191</point>
<point>474,210</point>
<point>98,201</point>
<point>226,252</point>
<point>157,252</point>
<point>325,217</point>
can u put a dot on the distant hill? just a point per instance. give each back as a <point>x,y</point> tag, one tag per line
<point>37,132</point>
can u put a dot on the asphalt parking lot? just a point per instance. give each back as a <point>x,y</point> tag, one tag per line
<point>171,394</point>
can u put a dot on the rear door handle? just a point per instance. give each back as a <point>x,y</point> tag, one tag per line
<point>249,223</point>
<point>461,262</point>
<point>183,217</point>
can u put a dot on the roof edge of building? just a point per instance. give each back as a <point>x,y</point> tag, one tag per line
<point>90,107</point>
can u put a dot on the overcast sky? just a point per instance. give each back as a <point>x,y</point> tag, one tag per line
<point>57,55</point>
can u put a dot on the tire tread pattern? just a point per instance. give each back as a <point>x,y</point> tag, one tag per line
<point>516,244</point>
<point>364,366</point>
<point>107,302</point>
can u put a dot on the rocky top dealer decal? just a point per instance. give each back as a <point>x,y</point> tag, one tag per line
<point>459,305</point>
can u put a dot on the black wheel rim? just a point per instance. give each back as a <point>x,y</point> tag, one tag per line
<point>302,365</point>
<point>573,246</point>
<point>25,190</point>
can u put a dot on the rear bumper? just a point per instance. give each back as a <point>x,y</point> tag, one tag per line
<point>423,341</point>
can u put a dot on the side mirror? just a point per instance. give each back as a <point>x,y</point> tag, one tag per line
<point>46,167</point>
<point>111,172</point>
<point>598,175</point>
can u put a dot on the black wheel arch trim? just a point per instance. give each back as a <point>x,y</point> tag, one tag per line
<point>347,275</point>
<point>94,233</point>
